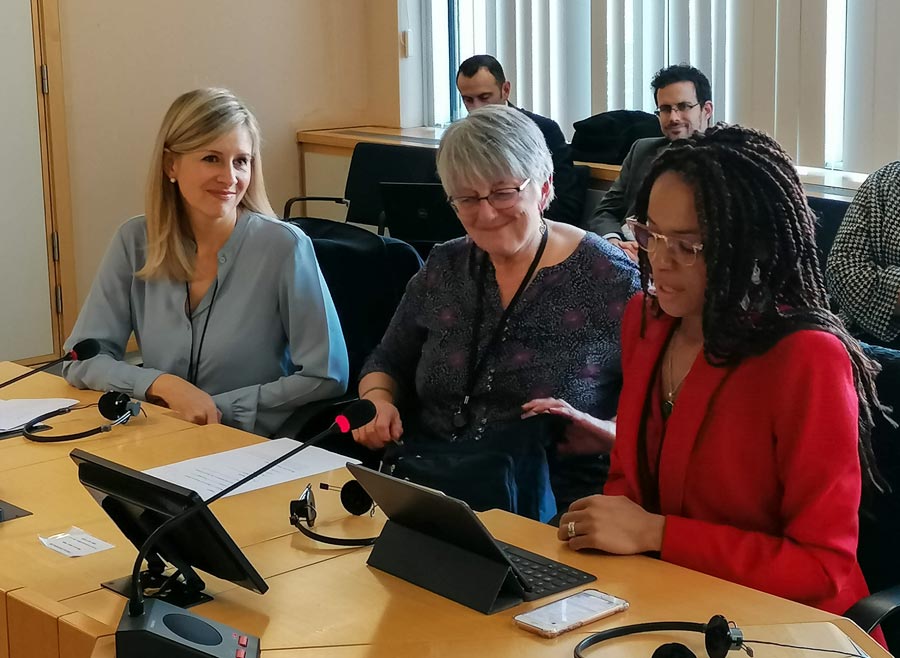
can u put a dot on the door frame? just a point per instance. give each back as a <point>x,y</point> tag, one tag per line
<point>48,76</point>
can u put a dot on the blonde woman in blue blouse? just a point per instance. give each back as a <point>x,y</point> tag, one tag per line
<point>232,316</point>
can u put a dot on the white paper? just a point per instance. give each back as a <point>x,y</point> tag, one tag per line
<point>14,414</point>
<point>210,474</point>
<point>75,543</point>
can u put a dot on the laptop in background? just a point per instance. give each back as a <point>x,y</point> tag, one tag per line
<point>419,213</point>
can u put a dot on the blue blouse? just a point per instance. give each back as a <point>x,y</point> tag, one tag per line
<point>273,342</point>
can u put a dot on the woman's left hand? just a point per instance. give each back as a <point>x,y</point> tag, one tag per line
<point>614,524</point>
<point>585,435</point>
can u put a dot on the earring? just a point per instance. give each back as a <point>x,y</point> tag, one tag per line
<point>171,180</point>
<point>745,302</point>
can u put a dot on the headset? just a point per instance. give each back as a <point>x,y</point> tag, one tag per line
<point>720,637</point>
<point>354,499</point>
<point>115,406</point>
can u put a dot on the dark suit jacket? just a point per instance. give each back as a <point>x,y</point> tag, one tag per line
<point>618,202</point>
<point>759,475</point>
<point>569,202</point>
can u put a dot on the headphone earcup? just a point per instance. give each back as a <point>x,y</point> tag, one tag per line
<point>720,639</point>
<point>355,499</point>
<point>673,650</point>
<point>113,405</point>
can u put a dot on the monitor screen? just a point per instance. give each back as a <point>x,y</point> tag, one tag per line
<point>139,503</point>
<point>419,211</point>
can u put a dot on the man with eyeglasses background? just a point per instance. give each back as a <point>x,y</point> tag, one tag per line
<point>684,106</point>
<point>481,81</point>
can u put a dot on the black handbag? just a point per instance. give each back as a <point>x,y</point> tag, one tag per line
<point>506,468</point>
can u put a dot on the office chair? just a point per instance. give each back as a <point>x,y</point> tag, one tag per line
<point>370,165</point>
<point>879,532</point>
<point>366,276</point>
<point>829,215</point>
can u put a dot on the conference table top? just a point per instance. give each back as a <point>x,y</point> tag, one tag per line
<point>322,600</point>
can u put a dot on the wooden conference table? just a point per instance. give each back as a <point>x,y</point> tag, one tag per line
<point>323,601</point>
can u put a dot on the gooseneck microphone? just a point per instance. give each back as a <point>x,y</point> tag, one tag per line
<point>355,416</point>
<point>83,350</point>
<point>137,617</point>
<point>86,349</point>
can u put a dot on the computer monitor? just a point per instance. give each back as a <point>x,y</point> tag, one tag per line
<point>419,213</point>
<point>138,504</point>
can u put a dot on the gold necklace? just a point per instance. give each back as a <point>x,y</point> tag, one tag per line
<point>668,405</point>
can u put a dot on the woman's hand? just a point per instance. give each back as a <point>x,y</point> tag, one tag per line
<point>630,247</point>
<point>186,400</point>
<point>585,435</point>
<point>614,524</point>
<point>386,426</point>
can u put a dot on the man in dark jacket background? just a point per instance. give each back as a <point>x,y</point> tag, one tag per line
<point>481,81</point>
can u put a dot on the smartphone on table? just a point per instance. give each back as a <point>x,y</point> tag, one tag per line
<point>571,612</point>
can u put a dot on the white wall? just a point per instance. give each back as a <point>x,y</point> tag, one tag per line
<point>298,63</point>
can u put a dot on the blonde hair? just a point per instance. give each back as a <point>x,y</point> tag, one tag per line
<point>194,120</point>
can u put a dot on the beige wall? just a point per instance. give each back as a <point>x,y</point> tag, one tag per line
<point>298,63</point>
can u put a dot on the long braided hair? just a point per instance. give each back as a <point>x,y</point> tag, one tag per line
<point>763,279</point>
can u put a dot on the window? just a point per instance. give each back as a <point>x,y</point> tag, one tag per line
<point>819,75</point>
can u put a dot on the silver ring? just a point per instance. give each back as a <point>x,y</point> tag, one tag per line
<point>570,528</point>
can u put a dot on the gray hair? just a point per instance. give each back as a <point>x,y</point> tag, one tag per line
<point>492,143</point>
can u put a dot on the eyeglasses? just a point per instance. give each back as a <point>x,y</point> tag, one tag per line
<point>682,250</point>
<point>501,199</point>
<point>681,108</point>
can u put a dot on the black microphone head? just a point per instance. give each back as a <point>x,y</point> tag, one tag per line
<point>85,349</point>
<point>356,415</point>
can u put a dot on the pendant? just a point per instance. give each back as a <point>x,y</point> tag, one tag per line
<point>668,406</point>
<point>460,419</point>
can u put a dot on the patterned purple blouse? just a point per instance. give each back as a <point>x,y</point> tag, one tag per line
<point>562,338</point>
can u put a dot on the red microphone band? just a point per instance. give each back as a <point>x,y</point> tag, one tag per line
<point>342,423</point>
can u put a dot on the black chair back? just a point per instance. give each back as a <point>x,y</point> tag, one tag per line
<point>879,532</point>
<point>366,275</point>
<point>829,215</point>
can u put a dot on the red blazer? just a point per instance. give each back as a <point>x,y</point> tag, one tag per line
<point>759,475</point>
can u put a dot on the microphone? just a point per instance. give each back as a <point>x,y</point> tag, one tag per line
<point>356,415</point>
<point>83,350</point>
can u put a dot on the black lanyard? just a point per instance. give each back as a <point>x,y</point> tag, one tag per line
<point>476,363</point>
<point>194,366</point>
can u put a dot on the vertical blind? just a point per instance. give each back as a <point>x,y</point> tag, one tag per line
<point>772,64</point>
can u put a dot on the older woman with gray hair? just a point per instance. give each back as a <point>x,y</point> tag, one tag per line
<point>504,351</point>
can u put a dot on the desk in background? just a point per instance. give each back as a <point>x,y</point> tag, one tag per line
<point>324,157</point>
<point>323,601</point>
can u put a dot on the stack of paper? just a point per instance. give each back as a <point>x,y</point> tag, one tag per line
<point>15,414</point>
<point>210,474</point>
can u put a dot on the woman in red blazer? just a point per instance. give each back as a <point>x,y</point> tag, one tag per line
<point>744,414</point>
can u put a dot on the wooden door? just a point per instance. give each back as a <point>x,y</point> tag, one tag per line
<point>30,290</point>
